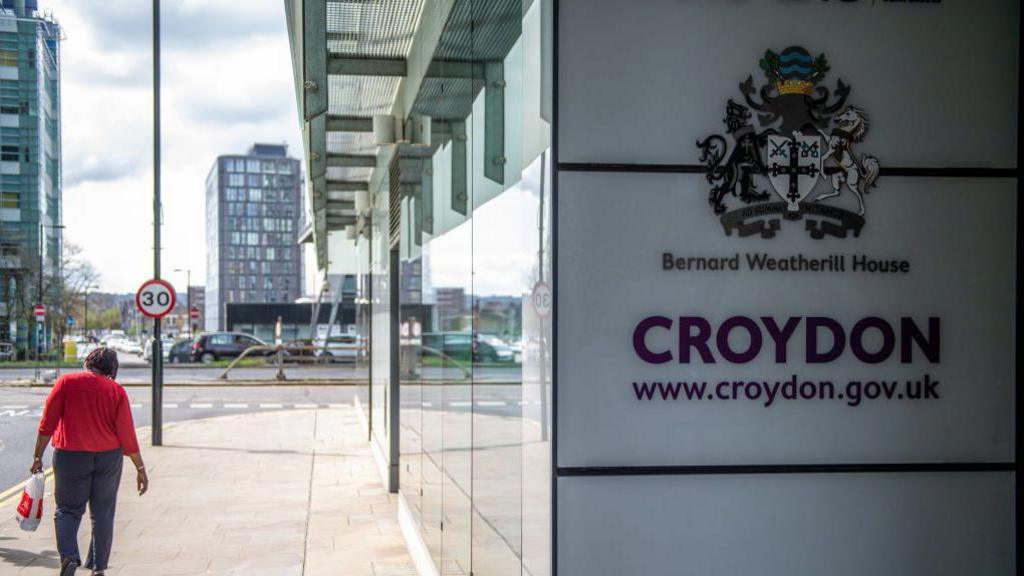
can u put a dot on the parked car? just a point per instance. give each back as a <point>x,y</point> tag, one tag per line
<point>341,348</point>
<point>131,347</point>
<point>466,347</point>
<point>180,352</point>
<point>147,352</point>
<point>217,345</point>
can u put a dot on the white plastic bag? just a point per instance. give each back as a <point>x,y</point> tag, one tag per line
<point>30,510</point>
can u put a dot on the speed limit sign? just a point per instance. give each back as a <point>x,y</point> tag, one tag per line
<point>155,298</point>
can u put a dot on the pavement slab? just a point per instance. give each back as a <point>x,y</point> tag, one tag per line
<point>292,492</point>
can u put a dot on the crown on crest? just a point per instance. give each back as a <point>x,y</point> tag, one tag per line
<point>794,71</point>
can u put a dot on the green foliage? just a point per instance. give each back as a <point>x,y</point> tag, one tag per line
<point>821,68</point>
<point>770,65</point>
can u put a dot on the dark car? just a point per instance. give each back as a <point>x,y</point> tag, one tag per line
<point>216,345</point>
<point>181,352</point>
<point>465,347</point>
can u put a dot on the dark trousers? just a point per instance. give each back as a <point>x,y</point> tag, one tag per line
<point>86,478</point>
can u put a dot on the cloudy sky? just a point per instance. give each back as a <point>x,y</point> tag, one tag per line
<point>226,83</point>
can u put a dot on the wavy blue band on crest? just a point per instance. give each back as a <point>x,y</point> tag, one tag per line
<point>795,68</point>
<point>796,56</point>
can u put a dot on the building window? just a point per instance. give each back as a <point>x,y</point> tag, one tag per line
<point>9,58</point>
<point>9,200</point>
<point>9,154</point>
<point>252,166</point>
<point>236,179</point>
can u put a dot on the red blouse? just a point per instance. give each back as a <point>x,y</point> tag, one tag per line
<point>86,412</point>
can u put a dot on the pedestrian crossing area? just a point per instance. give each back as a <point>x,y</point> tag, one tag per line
<point>35,411</point>
<point>20,410</point>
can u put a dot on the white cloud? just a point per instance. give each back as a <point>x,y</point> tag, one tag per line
<point>226,83</point>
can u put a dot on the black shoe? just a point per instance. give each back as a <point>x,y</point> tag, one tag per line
<point>68,567</point>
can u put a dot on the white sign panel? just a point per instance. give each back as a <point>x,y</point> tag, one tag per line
<point>684,342</point>
<point>639,81</point>
<point>783,525</point>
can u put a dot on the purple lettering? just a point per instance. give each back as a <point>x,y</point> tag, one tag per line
<point>640,340</point>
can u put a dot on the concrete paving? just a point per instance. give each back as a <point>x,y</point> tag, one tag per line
<point>269,493</point>
<point>21,408</point>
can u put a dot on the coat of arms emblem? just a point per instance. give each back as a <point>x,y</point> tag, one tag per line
<point>802,139</point>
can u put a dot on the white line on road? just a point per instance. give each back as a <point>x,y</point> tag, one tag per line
<point>236,406</point>
<point>136,405</point>
<point>338,405</point>
<point>271,406</point>
<point>14,407</point>
<point>194,406</point>
<point>491,403</point>
<point>460,404</point>
<point>306,406</point>
<point>428,404</point>
<point>170,405</point>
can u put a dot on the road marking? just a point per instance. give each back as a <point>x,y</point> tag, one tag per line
<point>236,406</point>
<point>167,405</point>
<point>14,407</point>
<point>271,406</point>
<point>428,404</point>
<point>194,406</point>
<point>13,413</point>
<point>490,403</point>
<point>136,405</point>
<point>460,404</point>
<point>338,405</point>
<point>306,406</point>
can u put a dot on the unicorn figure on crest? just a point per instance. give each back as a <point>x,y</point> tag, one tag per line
<point>859,174</point>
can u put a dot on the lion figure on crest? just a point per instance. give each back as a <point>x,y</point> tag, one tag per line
<point>858,174</point>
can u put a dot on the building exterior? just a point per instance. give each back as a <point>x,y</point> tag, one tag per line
<point>179,323</point>
<point>664,287</point>
<point>30,171</point>
<point>253,218</point>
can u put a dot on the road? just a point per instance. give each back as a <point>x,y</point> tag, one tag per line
<point>20,409</point>
<point>134,370</point>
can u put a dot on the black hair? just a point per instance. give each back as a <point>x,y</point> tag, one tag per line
<point>102,361</point>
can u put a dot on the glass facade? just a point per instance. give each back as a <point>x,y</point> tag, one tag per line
<point>459,240</point>
<point>30,171</point>
<point>450,245</point>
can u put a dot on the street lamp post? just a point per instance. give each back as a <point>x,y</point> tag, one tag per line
<point>188,297</point>
<point>85,327</point>
<point>41,326</point>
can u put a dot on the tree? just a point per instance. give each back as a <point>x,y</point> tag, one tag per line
<point>78,277</point>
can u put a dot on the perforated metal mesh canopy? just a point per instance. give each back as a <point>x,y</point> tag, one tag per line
<point>352,60</point>
<point>372,28</point>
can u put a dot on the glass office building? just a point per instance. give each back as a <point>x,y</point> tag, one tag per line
<point>666,287</point>
<point>253,216</point>
<point>30,169</point>
<point>446,225</point>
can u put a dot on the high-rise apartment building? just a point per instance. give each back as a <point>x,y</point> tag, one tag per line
<point>253,214</point>
<point>30,169</point>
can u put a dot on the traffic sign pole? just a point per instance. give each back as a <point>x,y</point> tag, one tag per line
<point>158,356</point>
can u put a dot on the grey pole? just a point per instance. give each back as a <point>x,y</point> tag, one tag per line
<point>158,356</point>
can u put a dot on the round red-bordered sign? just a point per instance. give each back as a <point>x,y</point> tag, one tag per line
<point>155,298</point>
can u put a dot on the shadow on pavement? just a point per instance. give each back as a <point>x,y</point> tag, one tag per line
<point>22,558</point>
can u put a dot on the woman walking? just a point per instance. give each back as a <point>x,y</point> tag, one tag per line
<point>88,416</point>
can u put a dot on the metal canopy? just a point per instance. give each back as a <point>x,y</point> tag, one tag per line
<point>359,58</point>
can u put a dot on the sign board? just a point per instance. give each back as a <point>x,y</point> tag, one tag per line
<point>542,299</point>
<point>193,312</point>
<point>155,298</point>
<point>39,311</point>
<point>695,346</point>
<point>71,320</point>
<point>766,264</point>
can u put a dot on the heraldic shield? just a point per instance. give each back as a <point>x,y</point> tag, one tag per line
<point>793,167</point>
